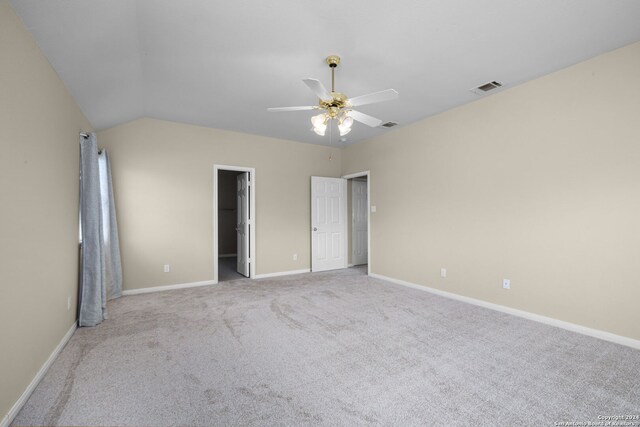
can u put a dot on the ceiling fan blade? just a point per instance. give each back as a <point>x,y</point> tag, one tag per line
<point>364,118</point>
<point>370,98</point>
<point>318,88</point>
<point>277,109</point>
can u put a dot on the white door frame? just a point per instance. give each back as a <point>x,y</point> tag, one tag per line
<point>368,175</point>
<point>252,214</point>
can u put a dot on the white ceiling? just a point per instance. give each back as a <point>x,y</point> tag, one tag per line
<point>222,63</point>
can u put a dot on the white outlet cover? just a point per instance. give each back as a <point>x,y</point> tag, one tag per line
<point>443,272</point>
<point>373,209</point>
<point>167,268</point>
<point>506,284</point>
<point>295,257</point>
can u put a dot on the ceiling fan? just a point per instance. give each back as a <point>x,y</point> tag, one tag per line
<point>337,106</point>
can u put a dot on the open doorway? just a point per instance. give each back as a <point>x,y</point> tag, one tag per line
<point>234,224</point>
<point>358,223</point>
<point>228,226</point>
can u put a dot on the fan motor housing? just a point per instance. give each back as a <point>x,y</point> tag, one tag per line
<point>338,102</point>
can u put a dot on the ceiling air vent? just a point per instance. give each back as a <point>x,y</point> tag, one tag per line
<point>389,124</point>
<point>487,87</point>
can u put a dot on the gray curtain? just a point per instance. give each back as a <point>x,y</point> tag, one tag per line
<point>101,273</point>
<point>113,269</point>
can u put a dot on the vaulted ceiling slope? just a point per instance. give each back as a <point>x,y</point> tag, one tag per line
<point>222,63</point>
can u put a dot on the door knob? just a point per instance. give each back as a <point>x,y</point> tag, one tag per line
<point>315,229</point>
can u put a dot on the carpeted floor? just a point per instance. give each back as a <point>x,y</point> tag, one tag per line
<point>227,269</point>
<point>334,348</point>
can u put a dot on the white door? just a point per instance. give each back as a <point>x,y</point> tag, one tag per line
<point>328,223</point>
<point>359,222</point>
<point>242,222</point>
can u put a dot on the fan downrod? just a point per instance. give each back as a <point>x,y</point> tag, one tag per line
<point>339,99</point>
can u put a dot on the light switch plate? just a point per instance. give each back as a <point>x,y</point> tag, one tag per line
<point>373,209</point>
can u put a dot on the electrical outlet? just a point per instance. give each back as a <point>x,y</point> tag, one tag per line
<point>374,209</point>
<point>167,268</point>
<point>443,272</point>
<point>68,303</point>
<point>295,257</point>
<point>506,284</point>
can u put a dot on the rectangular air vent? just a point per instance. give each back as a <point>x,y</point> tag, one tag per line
<point>389,124</point>
<point>487,87</point>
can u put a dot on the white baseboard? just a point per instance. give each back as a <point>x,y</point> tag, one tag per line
<point>281,273</point>
<point>168,287</point>
<point>226,255</point>
<point>596,333</point>
<point>8,418</point>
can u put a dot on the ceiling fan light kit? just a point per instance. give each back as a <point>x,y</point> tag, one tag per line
<point>337,106</point>
<point>319,123</point>
<point>344,124</point>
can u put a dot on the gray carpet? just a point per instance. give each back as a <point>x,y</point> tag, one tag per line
<point>228,269</point>
<point>335,348</point>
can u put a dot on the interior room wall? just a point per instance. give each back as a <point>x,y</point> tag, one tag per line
<point>539,184</point>
<point>163,185</point>
<point>39,185</point>
<point>227,213</point>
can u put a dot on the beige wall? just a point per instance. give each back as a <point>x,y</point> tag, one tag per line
<point>39,125</point>
<point>163,185</point>
<point>539,184</point>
